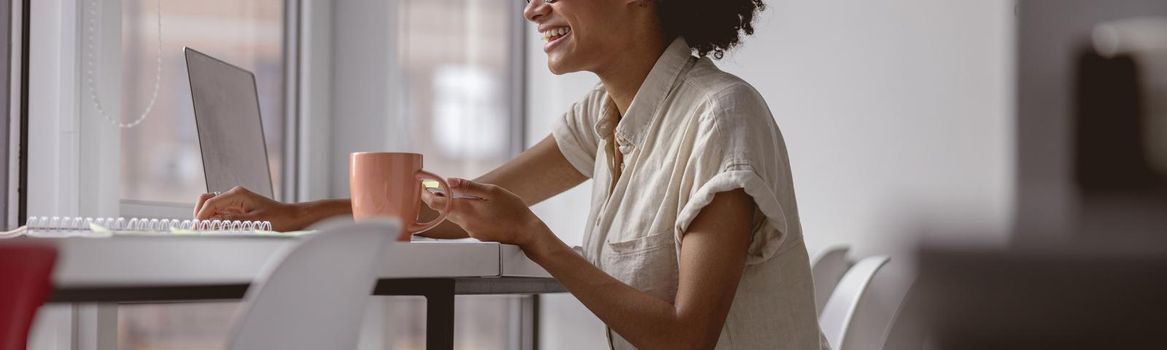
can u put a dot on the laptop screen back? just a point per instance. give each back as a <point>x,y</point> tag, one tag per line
<point>226,108</point>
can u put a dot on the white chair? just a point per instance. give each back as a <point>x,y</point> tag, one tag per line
<point>314,295</point>
<point>879,308</point>
<point>826,271</point>
<point>839,313</point>
<point>907,330</point>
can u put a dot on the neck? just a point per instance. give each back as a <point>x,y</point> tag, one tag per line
<point>623,77</point>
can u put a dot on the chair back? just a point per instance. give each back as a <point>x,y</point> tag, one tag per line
<point>828,268</point>
<point>25,271</point>
<point>907,330</point>
<point>314,295</point>
<point>840,310</point>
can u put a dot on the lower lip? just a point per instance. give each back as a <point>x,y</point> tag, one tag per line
<point>551,44</point>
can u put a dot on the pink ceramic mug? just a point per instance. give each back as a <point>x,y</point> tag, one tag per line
<point>386,184</point>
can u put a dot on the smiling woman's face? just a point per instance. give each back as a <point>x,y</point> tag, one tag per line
<point>580,35</point>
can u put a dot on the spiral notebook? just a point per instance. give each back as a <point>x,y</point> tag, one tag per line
<point>102,227</point>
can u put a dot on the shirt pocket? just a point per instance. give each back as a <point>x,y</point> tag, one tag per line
<point>647,263</point>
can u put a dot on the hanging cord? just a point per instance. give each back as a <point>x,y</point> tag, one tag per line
<point>90,71</point>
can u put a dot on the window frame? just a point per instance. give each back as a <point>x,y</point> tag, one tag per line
<point>17,116</point>
<point>8,61</point>
<point>49,35</point>
<point>60,151</point>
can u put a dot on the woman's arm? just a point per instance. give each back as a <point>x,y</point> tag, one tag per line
<point>712,258</point>
<point>534,175</point>
<point>242,204</point>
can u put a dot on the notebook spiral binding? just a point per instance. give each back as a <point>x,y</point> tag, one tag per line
<point>44,223</point>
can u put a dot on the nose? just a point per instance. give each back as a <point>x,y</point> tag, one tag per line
<point>536,9</point>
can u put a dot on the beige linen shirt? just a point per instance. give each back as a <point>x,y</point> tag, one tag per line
<point>691,132</point>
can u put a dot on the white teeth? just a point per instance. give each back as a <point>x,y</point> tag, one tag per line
<point>555,33</point>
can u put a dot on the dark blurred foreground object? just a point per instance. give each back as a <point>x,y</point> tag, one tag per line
<point>1111,152</point>
<point>1091,120</point>
<point>985,299</point>
<point>1120,152</point>
<point>1120,109</point>
<point>1087,264</point>
<point>25,269</point>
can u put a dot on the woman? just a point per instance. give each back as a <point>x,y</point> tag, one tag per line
<point>694,239</point>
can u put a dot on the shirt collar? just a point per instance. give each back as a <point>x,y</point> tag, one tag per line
<point>654,90</point>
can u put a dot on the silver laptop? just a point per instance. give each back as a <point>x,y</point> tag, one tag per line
<point>226,108</point>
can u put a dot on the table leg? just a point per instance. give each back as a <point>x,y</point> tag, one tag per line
<point>439,320</point>
<point>535,304</point>
<point>95,326</point>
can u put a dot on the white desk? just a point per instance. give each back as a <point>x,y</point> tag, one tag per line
<point>138,269</point>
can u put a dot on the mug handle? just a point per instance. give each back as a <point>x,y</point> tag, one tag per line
<point>419,227</point>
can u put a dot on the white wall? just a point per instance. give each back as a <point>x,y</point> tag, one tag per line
<point>898,115</point>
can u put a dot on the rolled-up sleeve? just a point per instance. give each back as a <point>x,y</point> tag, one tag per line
<point>730,154</point>
<point>576,136</point>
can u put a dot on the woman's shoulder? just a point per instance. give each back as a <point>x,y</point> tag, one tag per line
<point>724,97</point>
<point>720,89</point>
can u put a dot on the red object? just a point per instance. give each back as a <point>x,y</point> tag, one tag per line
<point>25,271</point>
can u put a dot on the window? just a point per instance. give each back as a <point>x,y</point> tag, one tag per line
<point>5,84</point>
<point>461,68</point>
<point>161,161</point>
<point>160,158</point>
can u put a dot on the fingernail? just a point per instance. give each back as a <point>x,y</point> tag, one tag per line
<point>455,182</point>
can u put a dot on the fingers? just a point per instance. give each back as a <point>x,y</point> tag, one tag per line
<point>466,212</point>
<point>233,216</point>
<point>471,188</point>
<point>458,214</point>
<point>199,205</point>
<point>212,206</point>
<point>232,199</point>
<point>434,200</point>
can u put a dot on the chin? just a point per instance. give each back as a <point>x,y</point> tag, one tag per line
<point>559,65</point>
<point>560,68</point>
<point>555,68</point>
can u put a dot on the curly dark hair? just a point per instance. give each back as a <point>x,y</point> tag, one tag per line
<point>710,26</point>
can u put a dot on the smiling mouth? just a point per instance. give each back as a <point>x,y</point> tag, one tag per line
<point>556,33</point>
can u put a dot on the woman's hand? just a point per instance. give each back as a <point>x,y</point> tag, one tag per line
<point>241,204</point>
<point>495,215</point>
